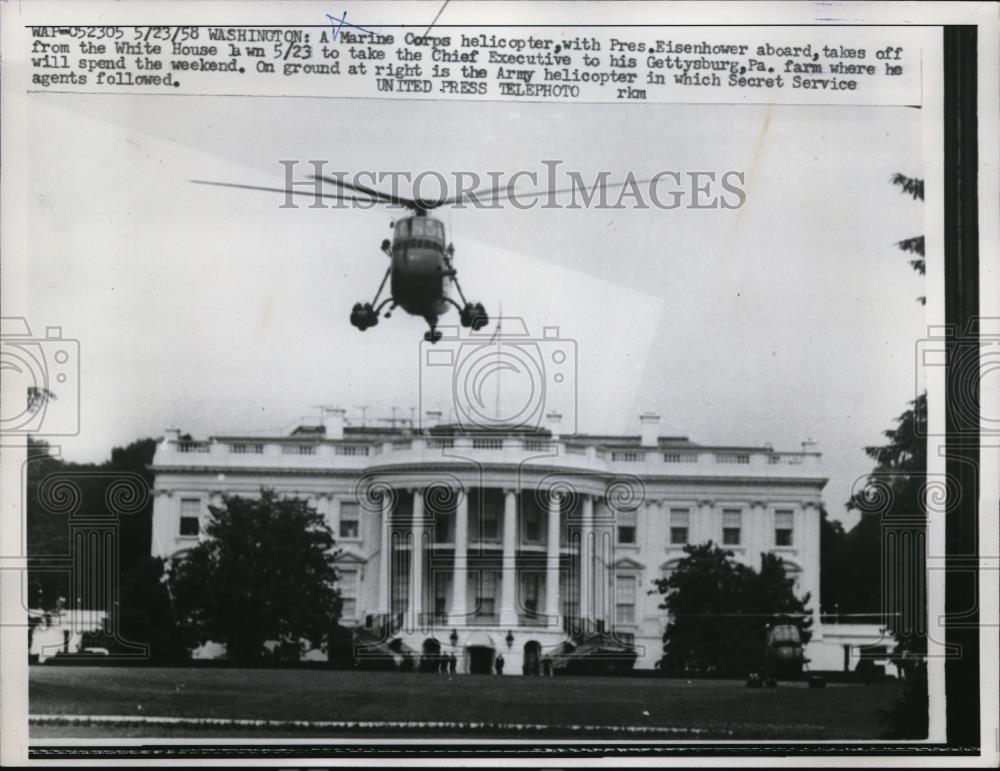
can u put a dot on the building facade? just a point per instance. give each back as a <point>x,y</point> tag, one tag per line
<point>507,542</point>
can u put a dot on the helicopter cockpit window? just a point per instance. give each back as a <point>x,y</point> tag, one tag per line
<point>418,227</point>
<point>401,230</point>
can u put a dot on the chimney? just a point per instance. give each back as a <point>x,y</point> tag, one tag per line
<point>649,429</point>
<point>333,422</point>
<point>554,421</point>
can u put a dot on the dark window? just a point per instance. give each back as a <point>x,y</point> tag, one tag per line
<point>626,527</point>
<point>532,526</point>
<point>189,526</point>
<point>679,521</point>
<point>731,525</point>
<point>783,528</point>
<point>349,522</point>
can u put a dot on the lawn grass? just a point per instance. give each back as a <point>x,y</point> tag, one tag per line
<point>720,708</point>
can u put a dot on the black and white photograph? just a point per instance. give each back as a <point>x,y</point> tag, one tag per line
<point>573,382</point>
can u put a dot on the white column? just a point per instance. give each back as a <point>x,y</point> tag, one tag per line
<point>385,558</point>
<point>703,529</point>
<point>600,531</point>
<point>457,614</point>
<point>417,561</point>
<point>552,610</point>
<point>508,602</point>
<point>760,536</point>
<point>586,558</point>
<point>809,552</point>
<point>607,557</point>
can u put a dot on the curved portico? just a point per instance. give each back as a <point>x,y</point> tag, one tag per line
<point>501,552</point>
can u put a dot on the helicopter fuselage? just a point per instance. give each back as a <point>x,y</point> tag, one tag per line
<point>421,274</point>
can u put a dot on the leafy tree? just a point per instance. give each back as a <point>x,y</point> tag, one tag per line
<point>915,188</point>
<point>264,573</point>
<point>719,608</point>
<point>86,485</point>
<point>895,494</point>
<point>147,611</point>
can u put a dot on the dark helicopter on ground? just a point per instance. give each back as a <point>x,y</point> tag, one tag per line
<point>783,656</point>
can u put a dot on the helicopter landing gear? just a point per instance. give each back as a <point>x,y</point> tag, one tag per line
<point>433,334</point>
<point>363,316</point>
<point>474,315</point>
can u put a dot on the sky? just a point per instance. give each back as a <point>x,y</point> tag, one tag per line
<point>215,311</point>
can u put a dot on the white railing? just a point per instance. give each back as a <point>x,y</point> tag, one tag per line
<point>298,449</point>
<point>200,447</point>
<point>419,449</point>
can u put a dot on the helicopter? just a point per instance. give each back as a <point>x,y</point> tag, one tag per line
<point>421,265</point>
<point>420,272</point>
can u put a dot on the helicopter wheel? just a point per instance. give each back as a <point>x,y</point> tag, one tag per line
<point>363,316</point>
<point>474,315</point>
<point>432,335</point>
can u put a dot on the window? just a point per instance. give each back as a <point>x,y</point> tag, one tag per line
<point>486,594</point>
<point>443,527</point>
<point>532,524</point>
<point>783,528</point>
<point>349,522</point>
<point>679,524</point>
<point>529,598</point>
<point>731,523</point>
<point>680,457</point>
<point>625,593</point>
<point>732,457</point>
<point>626,527</point>
<point>298,449</point>
<point>348,585</point>
<point>491,526</point>
<point>190,516</point>
<point>628,456</point>
<point>440,594</point>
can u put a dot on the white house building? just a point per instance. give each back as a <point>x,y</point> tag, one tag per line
<point>505,542</point>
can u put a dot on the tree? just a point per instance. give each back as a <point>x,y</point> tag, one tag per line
<point>893,498</point>
<point>719,608</point>
<point>146,611</point>
<point>264,573</point>
<point>915,188</point>
<point>58,490</point>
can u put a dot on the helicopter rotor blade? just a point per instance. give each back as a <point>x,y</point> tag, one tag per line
<point>473,194</point>
<point>500,192</point>
<point>311,193</point>
<point>398,200</point>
